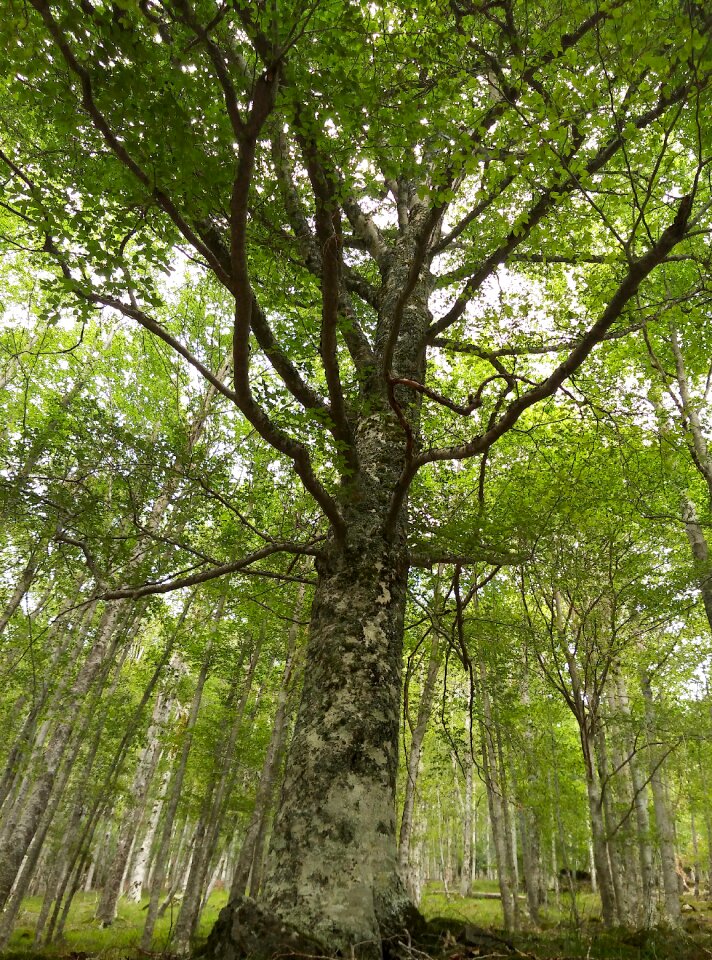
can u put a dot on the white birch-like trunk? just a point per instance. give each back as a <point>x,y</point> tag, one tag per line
<point>16,845</point>
<point>148,760</point>
<point>663,821</point>
<point>252,849</point>
<point>414,756</point>
<point>141,857</point>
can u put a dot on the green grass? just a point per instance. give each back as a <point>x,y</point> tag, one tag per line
<point>557,939</point>
<point>82,933</point>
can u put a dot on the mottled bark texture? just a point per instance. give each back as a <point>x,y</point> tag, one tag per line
<point>333,858</point>
<point>332,869</point>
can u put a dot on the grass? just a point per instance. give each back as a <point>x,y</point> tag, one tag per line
<point>558,938</point>
<point>83,935</point>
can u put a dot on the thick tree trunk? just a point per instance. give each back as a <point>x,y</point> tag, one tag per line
<point>332,868</point>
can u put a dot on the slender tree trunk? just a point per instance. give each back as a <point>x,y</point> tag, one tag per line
<point>695,855</point>
<point>663,822</point>
<point>16,846</point>
<point>252,848</point>
<point>190,904</point>
<point>139,867</point>
<point>598,832</point>
<point>43,701</point>
<point>176,786</point>
<point>106,909</point>
<point>708,832</point>
<point>466,874</point>
<point>413,761</point>
<point>640,799</point>
<point>212,816</point>
<point>496,801</point>
<point>21,588</point>
<point>528,825</point>
<point>615,857</point>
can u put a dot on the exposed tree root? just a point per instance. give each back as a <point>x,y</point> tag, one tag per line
<point>248,929</point>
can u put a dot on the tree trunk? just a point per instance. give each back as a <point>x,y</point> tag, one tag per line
<point>23,585</point>
<point>332,869</point>
<point>624,885</point>
<point>159,876</point>
<point>466,873</point>
<point>253,843</point>
<point>496,802</point>
<point>640,800</point>
<point>16,846</point>
<point>695,855</point>
<point>665,830</point>
<point>598,833</point>
<point>413,762</point>
<point>139,866</point>
<point>333,861</point>
<point>106,909</point>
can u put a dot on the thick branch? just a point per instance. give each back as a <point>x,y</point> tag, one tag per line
<point>637,272</point>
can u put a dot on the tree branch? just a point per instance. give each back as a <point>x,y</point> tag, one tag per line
<point>166,586</point>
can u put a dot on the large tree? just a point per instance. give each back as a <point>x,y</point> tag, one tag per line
<point>418,221</point>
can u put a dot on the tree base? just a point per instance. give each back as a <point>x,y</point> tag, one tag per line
<point>248,929</point>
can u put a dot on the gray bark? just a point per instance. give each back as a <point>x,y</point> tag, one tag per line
<point>176,785</point>
<point>333,859</point>
<point>598,833</point>
<point>413,762</point>
<point>257,829</point>
<point>208,830</point>
<point>106,909</point>
<point>642,818</point>
<point>663,822</point>
<point>623,885</point>
<point>467,819</point>
<point>16,846</point>
<point>496,802</point>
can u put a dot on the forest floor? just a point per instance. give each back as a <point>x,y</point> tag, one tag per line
<point>560,936</point>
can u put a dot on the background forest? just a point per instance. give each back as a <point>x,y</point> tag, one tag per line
<point>563,687</point>
<point>210,387</point>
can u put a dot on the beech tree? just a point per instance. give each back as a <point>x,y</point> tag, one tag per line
<point>381,199</point>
